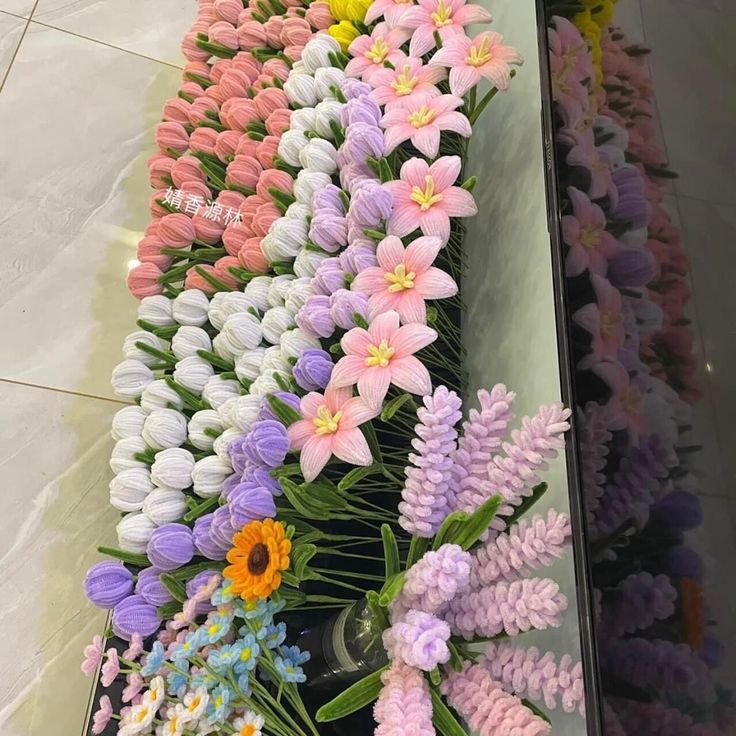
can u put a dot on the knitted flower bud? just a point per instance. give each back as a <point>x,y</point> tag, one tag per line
<point>371,204</point>
<point>177,230</point>
<point>173,468</point>
<point>131,352</point>
<point>288,237</point>
<point>151,589</point>
<point>304,120</point>
<point>188,340</point>
<point>129,488</point>
<point>419,640</point>
<point>319,155</point>
<point>314,318</point>
<point>250,502</point>
<point>301,290</point>
<point>128,422</point>
<point>204,540</point>
<point>171,546</point>
<point>307,262</point>
<point>124,452</point>
<point>356,258</point>
<point>201,421</point>
<point>193,373</point>
<point>190,308</point>
<point>165,428</point>
<point>134,616</point>
<point>164,505</point>
<point>325,78</point>
<point>329,232</point>
<point>316,53</point>
<point>293,342</point>
<point>345,304</point>
<point>279,289</point>
<point>313,369</point>
<point>309,182</point>
<point>222,444</point>
<point>134,531</point>
<point>327,112</point>
<point>218,390</point>
<point>226,303</point>
<point>300,89</point>
<point>243,412</point>
<point>275,322</point>
<point>242,332</point>
<point>291,145</point>
<point>159,395</point>
<point>208,476</point>
<point>285,397</point>
<point>107,583</point>
<point>130,377</point>
<point>267,443</point>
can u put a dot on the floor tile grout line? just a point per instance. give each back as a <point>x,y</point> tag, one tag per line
<point>105,43</point>
<point>65,391</point>
<point>17,48</point>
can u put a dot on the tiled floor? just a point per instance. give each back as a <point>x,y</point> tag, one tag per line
<point>84,83</point>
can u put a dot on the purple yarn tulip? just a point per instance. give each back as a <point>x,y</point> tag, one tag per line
<point>107,583</point>
<point>313,369</point>
<point>363,141</point>
<point>329,232</point>
<point>329,277</point>
<point>204,540</point>
<point>354,88</point>
<point>371,204</point>
<point>238,457</point>
<point>353,172</point>
<point>267,443</point>
<point>263,477</point>
<point>151,589</point>
<point>171,546</point>
<point>222,529</point>
<point>345,304</point>
<point>314,317</point>
<point>356,258</point>
<point>328,200</point>
<point>360,110</point>
<point>632,203</point>
<point>250,502</point>
<point>631,267</point>
<point>195,585</point>
<point>134,616</point>
<point>680,510</point>
<point>286,397</point>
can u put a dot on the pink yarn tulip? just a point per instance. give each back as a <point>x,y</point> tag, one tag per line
<point>203,140</point>
<point>92,656</point>
<point>237,113</point>
<point>469,60</point>
<point>487,708</point>
<point>186,169</point>
<point>278,122</point>
<point>244,171</point>
<point>444,17</point>
<point>195,189</point>
<point>228,10</point>
<point>295,32</point>
<point>197,68</point>
<point>530,603</point>
<point>223,273</point>
<point>227,144</point>
<point>171,135</point>
<point>247,147</point>
<point>234,238</point>
<point>404,279</point>
<point>143,280</point>
<point>273,27</point>
<point>208,230</point>
<point>247,63</point>
<point>155,208</point>
<point>102,716</point>
<point>425,197</point>
<point>177,110</point>
<point>195,280</point>
<point>200,107</point>
<point>149,251</point>
<point>318,15</point>
<point>268,148</point>
<point>159,170</point>
<point>217,94</point>
<point>110,669</point>
<point>392,87</point>
<point>525,672</point>
<point>264,217</point>
<point>276,68</point>
<point>404,705</point>
<point>269,100</point>
<point>235,83</point>
<point>190,49</point>
<point>192,89</point>
<point>331,427</point>
<point>370,52</point>
<point>251,256</point>
<point>252,35</point>
<point>219,68</point>
<point>224,34</point>
<point>274,179</point>
<point>383,355</point>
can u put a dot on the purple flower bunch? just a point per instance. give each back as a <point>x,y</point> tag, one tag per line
<point>404,699</point>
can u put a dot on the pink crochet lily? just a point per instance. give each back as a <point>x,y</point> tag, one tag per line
<point>393,87</point>
<point>469,60</point>
<point>330,427</point>
<point>404,278</point>
<point>425,198</point>
<point>446,17</point>
<point>383,355</point>
<point>421,119</point>
<point>391,10</point>
<point>370,52</point>
<point>603,319</point>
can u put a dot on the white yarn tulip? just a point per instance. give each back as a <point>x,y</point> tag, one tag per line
<point>218,390</point>
<point>130,378</point>
<point>193,373</point>
<point>241,413</point>
<point>298,211</point>
<point>327,112</point>
<point>274,360</point>
<point>165,428</point>
<point>134,532</point>
<point>164,505</point>
<point>316,52</point>
<point>257,291</point>
<point>279,289</point>
<point>300,88</point>
<point>266,384</point>
<point>287,238</point>
<point>123,454</point>
<point>226,303</point>
<point>208,476</point>
<point>159,395</point>
<point>269,249</point>
<point>132,352</point>
<point>309,182</point>
<point>190,308</point>
<point>223,442</point>
<point>248,365</point>
<point>188,340</point>
<point>326,77</point>
<point>240,332</point>
<point>291,144</point>
<point>172,468</point>
<point>129,488</point>
<point>202,420</point>
<point>301,289</point>
<point>156,310</point>
<point>128,422</point>
<point>295,342</point>
<point>307,262</point>
<point>303,120</point>
<point>319,155</point>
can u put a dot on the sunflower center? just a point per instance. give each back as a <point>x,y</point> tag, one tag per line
<point>326,422</point>
<point>404,83</point>
<point>380,355</point>
<point>258,559</point>
<point>426,197</point>
<point>480,54</point>
<point>378,51</point>
<point>423,116</point>
<point>399,279</point>
<point>442,16</point>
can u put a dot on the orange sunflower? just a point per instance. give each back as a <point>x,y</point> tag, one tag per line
<point>260,552</point>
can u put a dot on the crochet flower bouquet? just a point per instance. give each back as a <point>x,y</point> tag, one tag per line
<point>296,442</point>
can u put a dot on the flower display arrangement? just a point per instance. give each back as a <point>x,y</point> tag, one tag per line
<point>296,441</point>
<point>635,377</point>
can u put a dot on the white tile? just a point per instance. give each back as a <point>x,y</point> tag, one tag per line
<point>153,29</point>
<point>11,30</point>
<point>18,7</point>
<point>691,52</point>
<point>74,198</point>
<point>55,513</point>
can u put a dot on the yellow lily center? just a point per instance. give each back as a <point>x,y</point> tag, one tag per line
<point>589,237</point>
<point>480,54</point>
<point>426,197</point>
<point>404,83</point>
<point>378,51</point>
<point>326,422</point>
<point>609,321</point>
<point>423,116</point>
<point>380,355</point>
<point>399,279</point>
<point>442,16</point>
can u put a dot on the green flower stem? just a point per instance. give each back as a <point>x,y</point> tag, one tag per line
<point>348,574</point>
<point>339,583</point>
<point>144,347</point>
<point>417,549</point>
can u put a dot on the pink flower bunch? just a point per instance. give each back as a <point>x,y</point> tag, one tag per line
<point>404,703</point>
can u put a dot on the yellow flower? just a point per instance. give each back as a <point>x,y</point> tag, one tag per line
<point>591,32</point>
<point>601,11</point>
<point>356,9</point>
<point>260,552</point>
<point>339,9</point>
<point>344,33</point>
